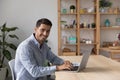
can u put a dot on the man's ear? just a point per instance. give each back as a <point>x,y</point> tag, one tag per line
<point>35,28</point>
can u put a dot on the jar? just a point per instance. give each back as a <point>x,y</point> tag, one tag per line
<point>64,39</point>
<point>118,21</point>
<point>116,10</point>
<point>64,11</point>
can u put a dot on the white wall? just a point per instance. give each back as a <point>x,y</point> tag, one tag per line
<point>25,13</point>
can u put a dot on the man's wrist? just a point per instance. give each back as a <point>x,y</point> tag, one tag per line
<point>57,69</point>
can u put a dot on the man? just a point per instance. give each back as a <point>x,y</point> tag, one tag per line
<point>32,53</point>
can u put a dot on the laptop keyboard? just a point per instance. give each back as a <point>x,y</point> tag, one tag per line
<point>73,69</point>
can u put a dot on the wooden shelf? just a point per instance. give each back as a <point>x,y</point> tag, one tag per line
<point>110,28</point>
<point>68,44</point>
<point>112,52</point>
<point>86,18</point>
<point>88,43</point>
<point>69,53</point>
<point>68,13</point>
<point>77,30</point>
<point>87,13</point>
<point>109,13</point>
<point>87,28</point>
<point>69,28</point>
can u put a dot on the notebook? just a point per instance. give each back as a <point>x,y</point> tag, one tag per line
<point>82,65</point>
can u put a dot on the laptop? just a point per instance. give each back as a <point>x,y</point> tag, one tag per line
<point>82,65</point>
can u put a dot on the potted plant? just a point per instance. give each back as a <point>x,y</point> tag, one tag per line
<point>5,45</point>
<point>104,4</point>
<point>72,8</point>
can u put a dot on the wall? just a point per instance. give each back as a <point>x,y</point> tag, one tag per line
<point>25,13</point>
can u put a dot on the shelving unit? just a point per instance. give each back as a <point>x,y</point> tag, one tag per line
<point>113,29</point>
<point>89,35</point>
<point>77,31</point>
<point>63,32</point>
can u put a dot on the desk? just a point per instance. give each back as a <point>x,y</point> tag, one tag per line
<point>112,52</point>
<point>98,68</point>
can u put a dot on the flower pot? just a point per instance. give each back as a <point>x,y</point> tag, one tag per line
<point>72,10</point>
<point>3,72</point>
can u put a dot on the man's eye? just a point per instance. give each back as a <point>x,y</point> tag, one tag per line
<point>42,30</point>
<point>48,31</point>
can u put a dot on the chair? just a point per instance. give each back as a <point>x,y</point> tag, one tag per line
<point>12,64</point>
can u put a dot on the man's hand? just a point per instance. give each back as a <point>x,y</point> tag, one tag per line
<point>66,65</point>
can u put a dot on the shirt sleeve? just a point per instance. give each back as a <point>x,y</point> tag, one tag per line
<point>28,60</point>
<point>53,58</point>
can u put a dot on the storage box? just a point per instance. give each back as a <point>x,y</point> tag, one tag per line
<point>72,40</point>
<point>69,53</point>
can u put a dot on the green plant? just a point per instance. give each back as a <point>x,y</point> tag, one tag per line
<point>5,45</point>
<point>72,7</point>
<point>105,3</point>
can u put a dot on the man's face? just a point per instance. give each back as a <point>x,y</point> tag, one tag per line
<point>42,32</point>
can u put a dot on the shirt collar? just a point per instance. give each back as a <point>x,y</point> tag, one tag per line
<point>35,41</point>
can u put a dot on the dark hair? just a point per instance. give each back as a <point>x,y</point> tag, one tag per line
<point>43,21</point>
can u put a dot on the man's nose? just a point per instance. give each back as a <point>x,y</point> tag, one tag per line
<point>45,33</point>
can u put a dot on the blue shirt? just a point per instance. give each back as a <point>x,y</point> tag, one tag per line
<point>30,60</point>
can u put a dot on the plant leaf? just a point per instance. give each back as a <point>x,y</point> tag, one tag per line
<point>0,42</point>
<point>12,46</point>
<point>3,27</point>
<point>7,54</point>
<point>12,29</point>
<point>13,36</point>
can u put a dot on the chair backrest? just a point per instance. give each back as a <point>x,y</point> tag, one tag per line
<point>12,64</point>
